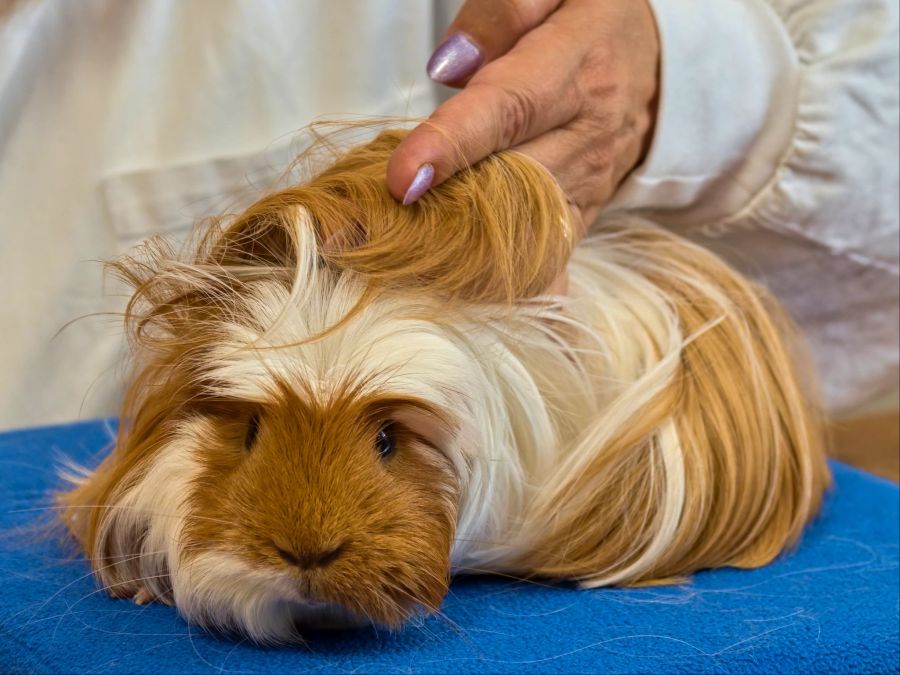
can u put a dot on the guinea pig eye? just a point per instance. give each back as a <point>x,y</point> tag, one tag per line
<point>385,441</point>
<point>252,432</point>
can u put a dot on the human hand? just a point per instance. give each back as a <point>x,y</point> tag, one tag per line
<point>571,83</point>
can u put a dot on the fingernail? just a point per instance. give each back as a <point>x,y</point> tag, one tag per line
<point>455,59</point>
<point>419,185</point>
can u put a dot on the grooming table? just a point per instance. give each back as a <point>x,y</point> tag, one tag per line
<point>830,606</point>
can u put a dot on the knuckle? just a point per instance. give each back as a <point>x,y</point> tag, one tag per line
<point>599,159</point>
<point>497,24</point>
<point>518,110</point>
<point>521,15</point>
<point>599,95</point>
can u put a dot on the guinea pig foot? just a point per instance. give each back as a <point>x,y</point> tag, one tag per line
<point>143,597</point>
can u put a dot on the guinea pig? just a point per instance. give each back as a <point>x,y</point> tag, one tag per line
<point>339,402</point>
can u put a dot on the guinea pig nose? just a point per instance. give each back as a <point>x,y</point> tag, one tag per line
<point>309,561</point>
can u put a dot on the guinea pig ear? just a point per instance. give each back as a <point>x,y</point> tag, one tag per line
<point>712,456</point>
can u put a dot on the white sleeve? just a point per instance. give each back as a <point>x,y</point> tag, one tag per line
<point>777,145</point>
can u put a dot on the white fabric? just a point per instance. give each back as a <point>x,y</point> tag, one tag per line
<point>123,119</point>
<point>776,145</point>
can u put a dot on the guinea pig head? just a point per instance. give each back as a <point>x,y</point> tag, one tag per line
<point>261,503</point>
<point>343,508</point>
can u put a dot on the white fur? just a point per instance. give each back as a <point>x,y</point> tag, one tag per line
<point>156,506</point>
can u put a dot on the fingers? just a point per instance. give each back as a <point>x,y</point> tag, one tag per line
<point>511,100</point>
<point>483,31</point>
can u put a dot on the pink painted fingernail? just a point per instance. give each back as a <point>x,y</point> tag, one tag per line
<point>455,59</point>
<point>419,185</point>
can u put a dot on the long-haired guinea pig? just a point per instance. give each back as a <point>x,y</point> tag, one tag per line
<point>338,402</point>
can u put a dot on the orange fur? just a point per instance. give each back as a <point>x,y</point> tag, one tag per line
<point>753,445</point>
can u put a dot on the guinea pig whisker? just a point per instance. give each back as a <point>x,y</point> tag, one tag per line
<point>392,603</point>
<point>504,575</point>
<point>83,577</point>
<point>104,590</point>
<point>437,613</point>
<point>126,507</point>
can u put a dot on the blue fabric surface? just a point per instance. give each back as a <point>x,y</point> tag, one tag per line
<point>831,606</point>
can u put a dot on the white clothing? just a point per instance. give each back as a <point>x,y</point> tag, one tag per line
<point>777,129</point>
<point>777,147</point>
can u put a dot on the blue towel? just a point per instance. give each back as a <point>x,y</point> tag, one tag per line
<point>830,606</point>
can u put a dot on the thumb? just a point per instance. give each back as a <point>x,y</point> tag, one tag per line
<point>482,31</point>
<point>514,99</point>
<point>481,119</point>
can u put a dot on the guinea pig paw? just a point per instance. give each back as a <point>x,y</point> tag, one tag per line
<point>143,597</point>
